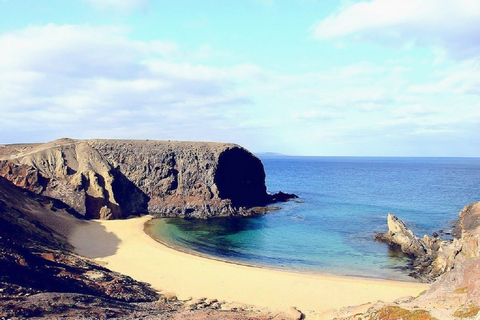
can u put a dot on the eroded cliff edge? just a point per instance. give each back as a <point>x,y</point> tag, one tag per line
<point>110,179</point>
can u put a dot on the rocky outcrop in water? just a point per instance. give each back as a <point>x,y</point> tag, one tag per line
<point>110,179</point>
<point>433,256</point>
<point>453,265</point>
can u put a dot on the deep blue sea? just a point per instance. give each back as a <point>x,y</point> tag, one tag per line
<point>343,203</point>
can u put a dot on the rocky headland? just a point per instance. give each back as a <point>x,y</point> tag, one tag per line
<point>432,256</point>
<point>452,265</point>
<point>112,179</point>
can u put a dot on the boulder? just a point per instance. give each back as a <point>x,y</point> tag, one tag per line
<point>467,232</point>
<point>400,236</point>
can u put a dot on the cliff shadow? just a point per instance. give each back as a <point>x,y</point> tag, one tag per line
<point>131,199</point>
<point>240,177</point>
<point>27,216</point>
<point>92,240</point>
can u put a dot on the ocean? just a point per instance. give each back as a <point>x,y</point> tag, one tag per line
<point>343,202</point>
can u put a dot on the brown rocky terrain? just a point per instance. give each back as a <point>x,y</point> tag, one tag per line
<point>110,179</point>
<point>41,278</point>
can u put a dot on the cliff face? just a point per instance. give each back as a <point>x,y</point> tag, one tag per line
<point>35,256</point>
<point>41,278</point>
<point>111,179</point>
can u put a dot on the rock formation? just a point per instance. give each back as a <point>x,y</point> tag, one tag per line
<point>41,278</point>
<point>433,256</point>
<point>453,265</point>
<point>109,179</point>
<point>34,258</point>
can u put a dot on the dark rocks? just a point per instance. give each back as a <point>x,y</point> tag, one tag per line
<point>282,197</point>
<point>34,259</point>
<point>110,179</point>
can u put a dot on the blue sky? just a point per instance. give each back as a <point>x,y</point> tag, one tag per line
<point>300,77</point>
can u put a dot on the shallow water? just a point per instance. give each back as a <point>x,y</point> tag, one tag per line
<point>343,202</point>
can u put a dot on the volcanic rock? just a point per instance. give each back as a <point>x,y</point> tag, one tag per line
<point>110,179</point>
<point>41,278</point>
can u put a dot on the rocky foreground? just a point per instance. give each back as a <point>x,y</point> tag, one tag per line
<point>41,277</point>
<point>432,256</point>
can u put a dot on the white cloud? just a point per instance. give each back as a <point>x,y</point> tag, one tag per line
<point>82,80</point>
<point>449,26</point>
<point>462,78</point>
<point>313,115</point>
<point>121,5</point>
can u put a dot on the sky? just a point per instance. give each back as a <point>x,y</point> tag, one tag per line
<point>297,77</point>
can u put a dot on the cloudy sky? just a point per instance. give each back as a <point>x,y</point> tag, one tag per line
<point>300,77</point>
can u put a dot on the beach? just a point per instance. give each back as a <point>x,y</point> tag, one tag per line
<point>123,246</point>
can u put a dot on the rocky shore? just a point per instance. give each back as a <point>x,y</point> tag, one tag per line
<point>432,256</point>
<point>48,190</point>
<point>452,265</point>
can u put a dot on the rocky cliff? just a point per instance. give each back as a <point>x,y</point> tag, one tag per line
<point>111,179</point>
<point>41,278</point>
<point>36,259</point>
<point>431,255</point>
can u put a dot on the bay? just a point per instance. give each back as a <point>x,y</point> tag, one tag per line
<point>343,203</point>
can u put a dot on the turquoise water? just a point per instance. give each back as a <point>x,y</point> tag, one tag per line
<point>343,203</point>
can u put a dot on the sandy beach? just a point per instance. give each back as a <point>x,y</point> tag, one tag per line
<point>124,247</point>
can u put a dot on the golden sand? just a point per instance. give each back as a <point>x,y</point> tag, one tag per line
<point>124,247</point>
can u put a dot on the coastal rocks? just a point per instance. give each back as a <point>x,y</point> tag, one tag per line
<point>433,256</point>
<point>453,265</point>
<point>190,179</point>
<point>110,179</point>
<point>399,235</point>
<point>467,233</point>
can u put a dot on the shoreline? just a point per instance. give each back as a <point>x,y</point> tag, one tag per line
<point>149,225</point>
<point>123,246</point>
